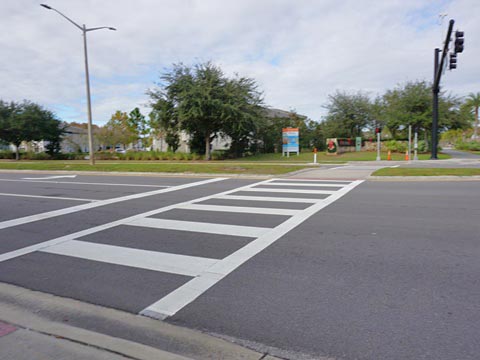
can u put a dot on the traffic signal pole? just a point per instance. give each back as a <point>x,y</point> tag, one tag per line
<point>436,90</point>
<point>436,87</point>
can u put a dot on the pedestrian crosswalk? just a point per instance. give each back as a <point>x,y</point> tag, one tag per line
<point>254,199</point>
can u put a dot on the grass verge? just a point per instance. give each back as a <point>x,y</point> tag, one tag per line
<point>307,157</point>
<point>426,172</point>
<point>150,166</point>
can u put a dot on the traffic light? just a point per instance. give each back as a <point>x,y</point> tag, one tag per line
<point>378,130</point>
<point>459,40</point>
<point>453,61</point>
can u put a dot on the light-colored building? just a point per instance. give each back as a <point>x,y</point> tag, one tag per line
<point>75,140</point>
<point>159,143</point>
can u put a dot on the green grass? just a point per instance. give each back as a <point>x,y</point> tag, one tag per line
<point>307,157</point>
<point>265,164</point>
<point>152,166</point>
<point>426,172</point>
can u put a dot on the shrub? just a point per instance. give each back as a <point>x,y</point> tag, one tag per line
<point>164,156</point>
<point>422,146</point>
<point>7,154</point>
<point>468,145</point>
<point>396,146</point>
<point>219,155</point>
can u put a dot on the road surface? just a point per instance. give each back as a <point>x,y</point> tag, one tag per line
<point>296,267</point>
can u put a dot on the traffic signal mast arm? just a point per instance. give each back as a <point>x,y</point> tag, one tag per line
<point>438,73</point>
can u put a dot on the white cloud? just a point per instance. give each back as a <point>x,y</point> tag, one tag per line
<point>298,51</point>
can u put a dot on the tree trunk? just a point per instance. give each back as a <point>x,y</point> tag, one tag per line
<point>207,147</point>
<point>17,152</point>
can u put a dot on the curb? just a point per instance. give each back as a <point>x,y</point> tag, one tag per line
<point>140,338</point>
<point>424,178</point>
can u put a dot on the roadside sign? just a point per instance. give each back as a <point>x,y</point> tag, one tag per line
<point>290,137</point>
<point>358,144</point>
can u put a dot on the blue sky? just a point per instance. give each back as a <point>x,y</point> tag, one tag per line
<point>298,51</point>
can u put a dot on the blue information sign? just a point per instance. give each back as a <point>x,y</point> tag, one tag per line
<point>290,140</point>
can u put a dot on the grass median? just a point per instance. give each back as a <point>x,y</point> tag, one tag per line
<point>427,172</point>
<point>154,166</point>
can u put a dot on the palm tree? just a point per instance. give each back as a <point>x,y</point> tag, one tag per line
<point>473,101</point>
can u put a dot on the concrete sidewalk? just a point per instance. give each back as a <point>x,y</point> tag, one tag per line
<point>35,325</point>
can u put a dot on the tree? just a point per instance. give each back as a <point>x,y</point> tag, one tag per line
<point>243,102</point>
<point>473,102</point>
<point>203,102</point>
<point>348,114</point>
<point>28,121</point>
<point>164,120</point>
<point>411,104</point>
<point>137,125</point>
<point>271,125</point>
<point>53,131</point>
<point>119,129</point>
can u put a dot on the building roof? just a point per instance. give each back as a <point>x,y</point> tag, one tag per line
<point>277,113</point>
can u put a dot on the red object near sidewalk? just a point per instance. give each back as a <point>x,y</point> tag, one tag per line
<point>6,329</point>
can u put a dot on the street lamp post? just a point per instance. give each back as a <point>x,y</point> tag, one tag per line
<point>84,30</point>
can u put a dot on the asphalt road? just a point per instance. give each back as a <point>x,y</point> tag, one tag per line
<point>305,269</point>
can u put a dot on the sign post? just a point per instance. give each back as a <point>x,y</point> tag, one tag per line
<point>290,137</point>
<point>315,155</point>
<point>409,140</point>
<point>415,146</point>
<point>378,146</point>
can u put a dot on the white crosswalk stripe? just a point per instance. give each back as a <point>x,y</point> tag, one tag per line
<point>306,185</point>
<point>266,198</point>
<point>222,229</point>
<point>240,209</point>
<point>294,191</point>
<point>143,259</point>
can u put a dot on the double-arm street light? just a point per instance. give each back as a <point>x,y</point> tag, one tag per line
<point>84,30</point>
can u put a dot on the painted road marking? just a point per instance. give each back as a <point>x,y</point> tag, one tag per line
<point>222,229</point>
<point>52,177</point>
<point>45,244</point>
<point>184,295</point>
<point>345,182</point>
<point>338,167</point>
<point>266,198</point>
<point>296,191</point>
<point>48,197</point>
<point>207,272</point>
<point>143,259</point>
<point>86,183</point>
<point>240,209</point>
<point>306,185</point>
<point>55,213</point>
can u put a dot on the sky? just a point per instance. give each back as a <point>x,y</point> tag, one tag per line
<point>298,51</point>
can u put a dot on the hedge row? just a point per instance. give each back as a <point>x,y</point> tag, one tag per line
<point>468,145</point>
<point>146,155</point>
